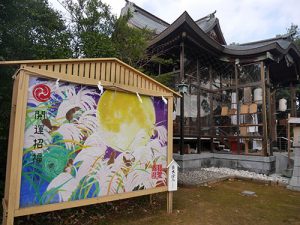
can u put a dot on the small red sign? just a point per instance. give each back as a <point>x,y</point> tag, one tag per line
<point>156,171</point>
<point>41,92</point>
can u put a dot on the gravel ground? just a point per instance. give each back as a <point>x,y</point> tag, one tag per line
<point>213,174</point>
<point>200,177</point>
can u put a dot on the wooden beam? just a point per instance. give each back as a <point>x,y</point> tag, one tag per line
<point>252,60</point>
<point>47,61</point>
<point>232,87</point>
<point>84,202</point>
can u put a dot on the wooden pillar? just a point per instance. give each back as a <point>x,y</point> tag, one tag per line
<point>211,115</point>
<point>150,199</point>
<point>170,151</point>
<point>17,127</point>
<point>159,69</point>
<point>293,100</point>
<point>289,141</point>
<point>264,109</point>
<point>198,110</point>
<point>269,110</point>
<point>236,76</point>
<point>181,146</point>
<point>170,202</point>
<point>8,219</point>
<point>273,113</point>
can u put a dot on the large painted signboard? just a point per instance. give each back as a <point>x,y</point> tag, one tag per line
<point>80,143</point>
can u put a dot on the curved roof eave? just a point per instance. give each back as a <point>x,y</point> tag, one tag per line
<point>262,49</point>
<point>251,51</point>
<point>185,21</point>
<point>181,21</point>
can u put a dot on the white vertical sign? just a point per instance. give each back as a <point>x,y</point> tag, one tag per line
<point>172,176</point>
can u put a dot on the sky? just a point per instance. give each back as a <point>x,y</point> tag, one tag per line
<point>240,20</point>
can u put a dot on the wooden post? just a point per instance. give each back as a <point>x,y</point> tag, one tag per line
<point>198,109</point>
<point>11,196</point>
<point>289,140</point>
<point>269,111</point>
<point>159,69</point>
<point>212,128</point>
<point>170,151</point>
<point>236,73</point>
<point>273,113</point>
<point>181,146</point>
<point>264,109</point>
<point>6,219</point>
<point>170,202</point>
<point>293,100</point>
<point>150,199</point>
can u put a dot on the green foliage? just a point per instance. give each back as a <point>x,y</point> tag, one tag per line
<point>92,25</point>
<point>162,61</point>
<point>166,79</point>
<point>130,42</point>
<point>294,29</point>
<point>30,29</point>
<point>283,93</point>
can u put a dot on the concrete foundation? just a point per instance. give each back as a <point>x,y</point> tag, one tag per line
<point>284,166</point>
<point>295,180</point>
<point>258,164</point>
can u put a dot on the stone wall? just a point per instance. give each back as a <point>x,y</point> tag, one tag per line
<point>258,164</point>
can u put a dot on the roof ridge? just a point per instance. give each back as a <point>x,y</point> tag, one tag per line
<point>210,16</point>
<point>281,36</point>
<point>148,13</point>
<point>182,19</point>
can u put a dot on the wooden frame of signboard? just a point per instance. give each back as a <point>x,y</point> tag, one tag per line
<point>114,75</point>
